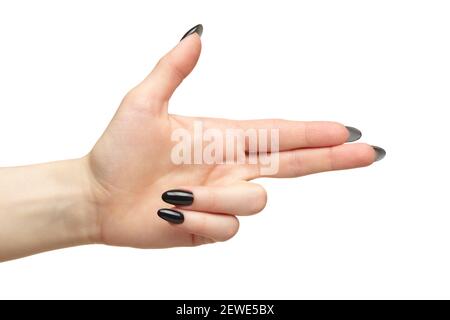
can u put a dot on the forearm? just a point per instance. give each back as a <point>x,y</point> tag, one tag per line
<point>45,207</point>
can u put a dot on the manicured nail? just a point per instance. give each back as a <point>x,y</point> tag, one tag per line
<point>353,134</point>
<point>178,197</point>
<point>197,29</point>
<point>172,216</point>
<point>380,153</point>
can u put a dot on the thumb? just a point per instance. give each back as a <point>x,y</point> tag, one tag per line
<point>171,70</point>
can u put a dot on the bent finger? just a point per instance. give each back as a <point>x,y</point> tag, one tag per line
<point>218,227</point>
<point>242,198</point>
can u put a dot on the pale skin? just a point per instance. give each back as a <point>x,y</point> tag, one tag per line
<point>111,195</point>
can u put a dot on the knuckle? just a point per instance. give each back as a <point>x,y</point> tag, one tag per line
<point>132,96</point>
<point>295,163</point>
<point>202,224</point>
<point>330,160</point>
<point>259,200</point>
<point>212,200</point>
<point>138,101</point>
<point>198,240</point>
<point>230,231</point>
<point>175,70</point>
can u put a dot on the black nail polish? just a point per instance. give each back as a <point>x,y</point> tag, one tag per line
<point>380,153</point>
<point>178,197</point>
<point>172,216</point>
<point>354,134</point>
<point>197,29</point>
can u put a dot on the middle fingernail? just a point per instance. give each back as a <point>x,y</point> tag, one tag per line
<point>178,197</point>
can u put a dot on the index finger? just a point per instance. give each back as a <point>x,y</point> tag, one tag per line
<point>305,134</point>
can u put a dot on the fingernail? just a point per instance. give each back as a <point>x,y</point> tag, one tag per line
<point>197,29</point>
<point>380,153</point>
<point>353,134</point>
<point>178,197</point>
<point>172,216</point>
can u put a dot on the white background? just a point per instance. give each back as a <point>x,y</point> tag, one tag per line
<point>381,66</point>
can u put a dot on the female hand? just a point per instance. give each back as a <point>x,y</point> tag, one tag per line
<point>114,194</point>
<point>131,164</point>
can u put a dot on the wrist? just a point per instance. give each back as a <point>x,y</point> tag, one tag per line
<point>45,207</point>
<point>79,203</point>
<point>61,198</point>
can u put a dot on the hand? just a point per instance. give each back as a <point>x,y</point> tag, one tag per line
<point>131,167</point>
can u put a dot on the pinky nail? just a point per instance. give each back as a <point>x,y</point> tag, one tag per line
<point>170,215</point>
